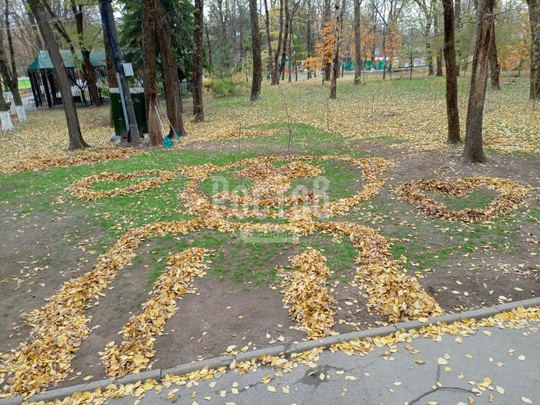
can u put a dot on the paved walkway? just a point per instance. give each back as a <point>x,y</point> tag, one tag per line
<point>494,366</point>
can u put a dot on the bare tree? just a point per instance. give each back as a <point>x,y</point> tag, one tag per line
<point>474,151</point>
<point>197,85</point>
<point>256,50</point>
<point>76,140</point>
<point>452,108</point>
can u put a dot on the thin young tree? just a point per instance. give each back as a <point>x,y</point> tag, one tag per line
<point>197,85</point>
<point>8,69</point>
<point>534,21</point>
<point>494,65</point>
<point>473,151</point>
<point>452,109</point>
<point>76,140</point>
<point>335,60</point>
<point>256,51</point>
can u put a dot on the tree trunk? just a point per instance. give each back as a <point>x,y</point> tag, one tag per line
<point>473,151</point>
<point>494,66</point>
<point>209,51</point>
<point>452,109</point>
<point>13,83</point>
<point>111,72</point>
<point>150,70</point>
<point>197,84</point>
<point>327,63</point>
<point>256,49</point>
<point>357,44</point>
<point>275,68</point>
<point>534,20</point>
<point>268,36</point>
<point>170,72</point>
<point>335,62</point>
<point>285,38</point>
<point>76,140</point>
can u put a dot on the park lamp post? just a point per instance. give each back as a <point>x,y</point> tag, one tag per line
<point>109,25</point>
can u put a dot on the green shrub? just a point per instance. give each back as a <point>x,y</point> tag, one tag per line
<point>230,86</point>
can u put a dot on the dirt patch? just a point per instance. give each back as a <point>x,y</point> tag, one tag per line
<point>460,270</point>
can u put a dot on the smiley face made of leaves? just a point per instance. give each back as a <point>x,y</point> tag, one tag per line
<point>60,326</point>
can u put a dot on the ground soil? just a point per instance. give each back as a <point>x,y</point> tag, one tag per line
<point>39,252</point>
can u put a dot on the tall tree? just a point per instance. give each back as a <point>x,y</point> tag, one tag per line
<point>150,70</point>
<point>8,68</point>
<point>494,65</point>
<point>275,67</point>
<point>5,116</point>
<point>268,35</point>
<point>197,85</point>
<point>534,21</point>
<point>76,140</point>
<point>88,68</point>
<point>170,71</point>
<point>256,51</point>
<point>452,109</point>
<point>357,43</point>
<point>473,151</point>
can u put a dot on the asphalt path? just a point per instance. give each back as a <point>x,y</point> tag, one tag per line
<point>493,366</point>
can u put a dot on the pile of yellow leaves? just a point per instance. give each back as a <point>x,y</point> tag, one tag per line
<point>510,195</point>
<point>64,159</point>
<point>136,349</point>
<point>81,188</point>
<point>310,302</point>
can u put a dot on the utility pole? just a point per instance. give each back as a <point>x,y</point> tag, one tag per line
<point>109,25</point>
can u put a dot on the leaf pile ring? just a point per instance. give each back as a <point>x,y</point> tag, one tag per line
<point>81,188</point>
<point>510,196</point>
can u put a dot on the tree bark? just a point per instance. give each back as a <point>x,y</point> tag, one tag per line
<point>534,21</point>
<point>148,8</point>
<point>76,140</point>
<point>452,109</point>
<point>197,83</point>
<point>256,50</point>
<point>170,72</point>
<point>268,36</point>
<point>335,62</point>
<point>275,70</point>
<point>474,151</point>
<point>357,44</point>
<point>209,51</point>
<point>494,66</point>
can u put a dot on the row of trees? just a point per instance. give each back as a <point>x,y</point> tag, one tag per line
<point>169,40</point>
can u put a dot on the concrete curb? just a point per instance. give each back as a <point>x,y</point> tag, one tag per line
<point>159,374</point>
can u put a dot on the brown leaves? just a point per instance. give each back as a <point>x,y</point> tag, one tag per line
<point>310,302</point>
<point>511,194</point>
<point>136,349</point>
<point>81,188</point>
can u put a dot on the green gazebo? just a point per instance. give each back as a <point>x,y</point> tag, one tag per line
<point>43,81</point>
